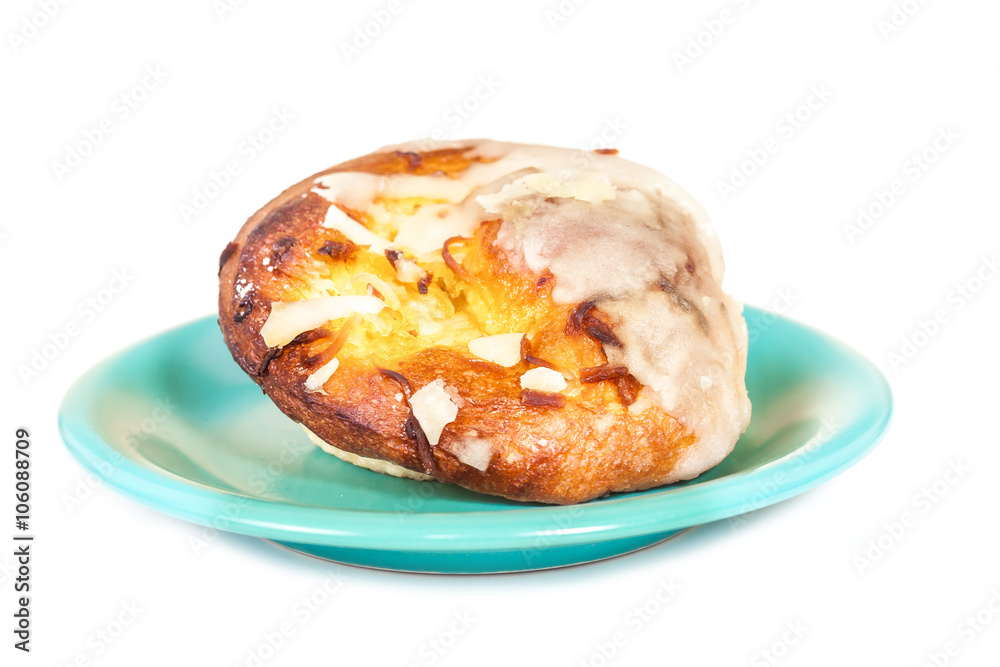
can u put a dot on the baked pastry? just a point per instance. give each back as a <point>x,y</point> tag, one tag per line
<point>537,323</point>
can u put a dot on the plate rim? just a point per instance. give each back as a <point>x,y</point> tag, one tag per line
<point>521,528</point>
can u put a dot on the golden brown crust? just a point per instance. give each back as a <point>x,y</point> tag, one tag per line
<point>586,447</point>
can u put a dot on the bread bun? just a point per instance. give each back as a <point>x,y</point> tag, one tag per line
<point>537,323</point>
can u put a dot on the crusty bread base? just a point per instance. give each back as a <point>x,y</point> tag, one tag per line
<point>375,465</point>
<point>542,451</point>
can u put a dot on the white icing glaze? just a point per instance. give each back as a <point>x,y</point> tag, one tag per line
<point>355,190</point>
<point>610,231</point>
<point>427,229</point>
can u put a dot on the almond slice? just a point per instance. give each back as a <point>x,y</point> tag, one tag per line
<point>288,319</point>
<point>543,379</point>
<point>502,349</point>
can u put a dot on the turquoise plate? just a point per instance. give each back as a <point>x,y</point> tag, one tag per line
<point>173,423</point>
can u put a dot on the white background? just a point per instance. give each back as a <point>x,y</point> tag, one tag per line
<point>609,67</point>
